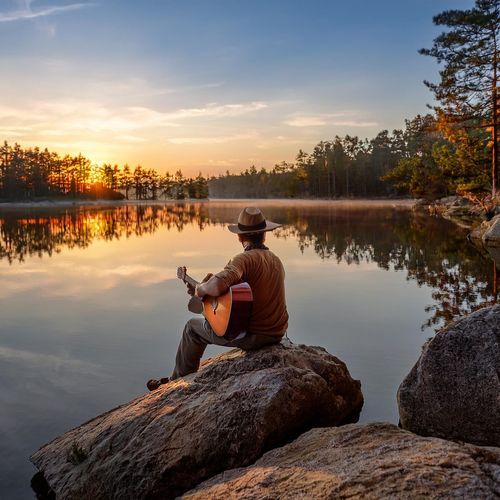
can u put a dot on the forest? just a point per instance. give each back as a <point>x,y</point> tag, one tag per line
<point>32,173</point>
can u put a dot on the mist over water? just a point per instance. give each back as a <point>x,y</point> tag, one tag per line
<point>91,307</point>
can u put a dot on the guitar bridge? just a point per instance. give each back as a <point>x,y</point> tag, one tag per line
<point>215,304</point>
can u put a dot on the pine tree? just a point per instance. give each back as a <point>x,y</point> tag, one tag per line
<point>469,51</point>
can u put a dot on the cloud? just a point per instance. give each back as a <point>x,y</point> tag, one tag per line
<point>131,138</point>
<point>27,13</point>
<point>192,253</point>
<point>46,360</point>
<point>71,117</point>
<point>212,109</point>
<point>211,140</point>
<point>82,281</point>
<point>330,119</point>
<point>353,123</point>
<point>223,163</point>
<point>306,121</point>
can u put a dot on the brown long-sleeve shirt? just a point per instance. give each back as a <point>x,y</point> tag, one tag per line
<point>265,274</point>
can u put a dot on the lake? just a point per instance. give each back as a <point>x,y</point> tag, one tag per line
<point>91,307</point>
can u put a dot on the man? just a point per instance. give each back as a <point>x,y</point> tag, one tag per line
<point>264,272</point>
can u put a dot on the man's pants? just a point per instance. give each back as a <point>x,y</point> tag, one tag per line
<point>198,334</point>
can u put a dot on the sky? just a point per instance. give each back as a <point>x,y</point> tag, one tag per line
<point>210,85</point>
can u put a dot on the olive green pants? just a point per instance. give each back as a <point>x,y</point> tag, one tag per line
<point>198,334</point>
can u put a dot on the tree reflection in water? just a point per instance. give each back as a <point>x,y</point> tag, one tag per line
<point>432,251</point>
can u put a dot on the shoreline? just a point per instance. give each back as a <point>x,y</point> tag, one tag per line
<point>382,202</point>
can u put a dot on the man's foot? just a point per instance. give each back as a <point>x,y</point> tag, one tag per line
<point>153,383</point>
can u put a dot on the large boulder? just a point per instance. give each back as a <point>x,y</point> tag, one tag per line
<point>453,391</point>
<point>370,461</point>
<point>491,236</point>
<point>239,405</point>
<point>487,233</point>
<point>494,255</point>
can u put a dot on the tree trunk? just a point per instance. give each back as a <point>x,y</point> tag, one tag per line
<point>495,113</point>
<point>496,118</point>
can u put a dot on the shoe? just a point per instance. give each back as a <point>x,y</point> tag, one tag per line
<point>153,384</point>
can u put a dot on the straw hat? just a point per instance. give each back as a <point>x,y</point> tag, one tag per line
<point>252,220</point>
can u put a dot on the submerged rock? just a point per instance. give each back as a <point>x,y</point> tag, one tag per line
<point>453,391</point>
<point>239,405</point>
<point>375,461</point>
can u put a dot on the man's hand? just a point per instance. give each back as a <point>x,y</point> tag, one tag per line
<point>207,277</point>
<point>191,290</point>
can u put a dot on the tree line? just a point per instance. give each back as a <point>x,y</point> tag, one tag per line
<point>31,173</point>
<point>420,160</point>
<point>351,167</point>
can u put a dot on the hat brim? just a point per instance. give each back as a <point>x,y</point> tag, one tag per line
<point>270,225</point>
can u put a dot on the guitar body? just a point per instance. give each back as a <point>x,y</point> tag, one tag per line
<point>228,314</point>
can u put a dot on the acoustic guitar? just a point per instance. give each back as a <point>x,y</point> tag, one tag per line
<point>228,314</point>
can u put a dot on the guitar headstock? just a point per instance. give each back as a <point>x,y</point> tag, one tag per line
<point>181,273</point>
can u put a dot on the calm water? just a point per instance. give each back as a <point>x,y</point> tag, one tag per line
<point>90,306</point>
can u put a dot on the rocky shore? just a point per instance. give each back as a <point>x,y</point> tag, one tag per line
<point>238,406</point>
<point>276,423</point>
<point>373,461</point>
<point>459,210</point>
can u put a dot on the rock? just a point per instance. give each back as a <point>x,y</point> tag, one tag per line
<point>477,233</point>
<point>369,461</point>
<point>488,232</point>
<point>453,391</point>
<point>453,201</point>
<point>494,255</point>
<point>491,237</point>
<point>239,405</point>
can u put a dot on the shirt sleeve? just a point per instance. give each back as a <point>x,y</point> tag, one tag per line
<point>233,272</point>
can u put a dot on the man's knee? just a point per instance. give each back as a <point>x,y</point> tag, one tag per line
<point>190,324</point>
<point>191,328</point>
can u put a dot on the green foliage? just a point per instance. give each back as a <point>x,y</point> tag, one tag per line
<point>469,53</point>
<point>467,91</point>
<point>344,167</point>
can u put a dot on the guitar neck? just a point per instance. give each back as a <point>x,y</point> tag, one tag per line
<point>191,281</point>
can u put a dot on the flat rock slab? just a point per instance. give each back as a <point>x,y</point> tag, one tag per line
<point>239,405</point>
<point>453,391</point>
<point>370,461</point>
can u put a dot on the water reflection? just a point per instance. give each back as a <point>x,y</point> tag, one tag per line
<point>90,306</point>
<point>432,251</point>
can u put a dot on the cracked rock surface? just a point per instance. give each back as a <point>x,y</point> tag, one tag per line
<point>371,461</point>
